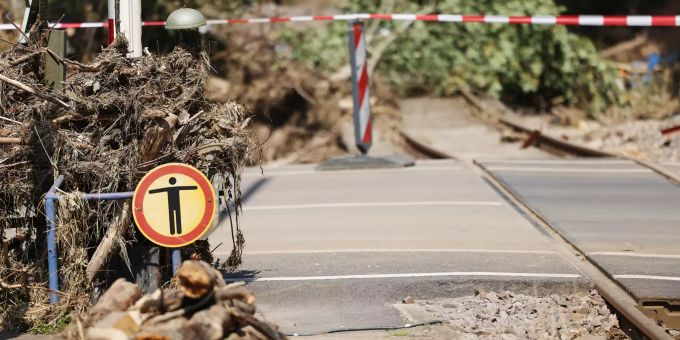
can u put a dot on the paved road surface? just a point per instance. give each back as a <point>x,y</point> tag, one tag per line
<point>336,250</point>
<point>623,216</point>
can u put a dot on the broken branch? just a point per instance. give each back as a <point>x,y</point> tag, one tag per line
<point>28,89</point>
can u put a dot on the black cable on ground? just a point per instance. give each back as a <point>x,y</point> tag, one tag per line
<point>384,328</point>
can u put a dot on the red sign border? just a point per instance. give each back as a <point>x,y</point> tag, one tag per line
<point>143,187</point>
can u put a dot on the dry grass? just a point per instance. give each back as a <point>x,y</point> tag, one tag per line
<point>117,119</point>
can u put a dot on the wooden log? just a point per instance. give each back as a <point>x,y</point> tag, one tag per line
<point>246,320</point>
<point>240,293</point>
<point>105,249</point>
<point>10,140</point>
<point>170,329</point>
<point>211,323</point>
<point>118,298</point>
<point>161,301</point>
<point>128,322</point>
<point>196,278</point>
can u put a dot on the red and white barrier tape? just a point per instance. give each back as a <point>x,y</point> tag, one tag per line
<point>572,20</point>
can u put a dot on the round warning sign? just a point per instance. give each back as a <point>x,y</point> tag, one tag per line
<point>173,205</point>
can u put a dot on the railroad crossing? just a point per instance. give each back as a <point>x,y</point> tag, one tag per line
<point>350,245</point>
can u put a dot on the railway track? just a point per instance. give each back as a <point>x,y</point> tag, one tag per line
<point>641,314</point>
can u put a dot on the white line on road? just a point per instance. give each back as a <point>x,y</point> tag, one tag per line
<point>616,253</point>
<point>559,162</point>
<point>404,275</point>
<point>647,277</point>
<point>574,170</point>
<point>349,172</point>
<point>445,250</point>
<point>369,204</point>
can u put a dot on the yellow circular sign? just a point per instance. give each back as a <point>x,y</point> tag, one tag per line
<point>173,205</point>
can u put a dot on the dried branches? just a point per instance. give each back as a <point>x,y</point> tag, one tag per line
<point>117,119</point>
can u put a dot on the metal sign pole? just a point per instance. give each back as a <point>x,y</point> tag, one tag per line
<point>131,25</point>
<point>30,16</point>
<point>360,87</point>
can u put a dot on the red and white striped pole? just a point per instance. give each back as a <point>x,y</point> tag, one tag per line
<point>360,87</point>
<point>112,20</point>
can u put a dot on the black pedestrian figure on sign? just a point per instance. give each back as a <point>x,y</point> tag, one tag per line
<point>173,204</point>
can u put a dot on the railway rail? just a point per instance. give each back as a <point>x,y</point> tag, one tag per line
<point>641,314</point>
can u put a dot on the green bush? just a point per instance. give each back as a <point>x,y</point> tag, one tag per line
<point>525,64</point>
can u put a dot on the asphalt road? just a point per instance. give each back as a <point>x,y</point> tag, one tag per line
<point>337,250</point>
<point>622,216</point>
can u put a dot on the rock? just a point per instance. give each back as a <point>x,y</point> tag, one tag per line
<point>491,309</point>
<point>408,300</point>
<point>491,296</point>
<point>480,293</point>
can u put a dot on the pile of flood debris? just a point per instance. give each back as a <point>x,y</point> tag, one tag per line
<point>201,307</point>
<point>114,120</point>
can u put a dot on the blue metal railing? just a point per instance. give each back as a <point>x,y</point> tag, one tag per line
<point>51,215</point>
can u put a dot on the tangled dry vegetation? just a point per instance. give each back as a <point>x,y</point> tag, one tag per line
<point>116,119</point>
<point>303,108</point>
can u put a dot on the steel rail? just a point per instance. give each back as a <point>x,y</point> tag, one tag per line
<point>611,291</point>
<point>542,140</point>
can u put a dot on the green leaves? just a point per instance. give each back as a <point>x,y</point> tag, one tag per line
<point>520,63</point>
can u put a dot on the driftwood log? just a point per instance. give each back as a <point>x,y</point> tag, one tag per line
<point>202,307</point>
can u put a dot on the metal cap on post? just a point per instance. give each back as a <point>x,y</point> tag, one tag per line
<point>360,87</point>
<point>185,18</point>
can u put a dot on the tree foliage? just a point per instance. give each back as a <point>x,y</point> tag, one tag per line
<point>538,65</point>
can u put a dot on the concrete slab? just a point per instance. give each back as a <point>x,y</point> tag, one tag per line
<point>622,215</point>
<point>337,249</point>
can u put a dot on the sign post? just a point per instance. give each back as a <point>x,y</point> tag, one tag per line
<point>112,20</point>
<point>130,16</point>
<point>360,87</point>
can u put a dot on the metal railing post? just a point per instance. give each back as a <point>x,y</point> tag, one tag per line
<point>176,260</point>
<point>51,216</point>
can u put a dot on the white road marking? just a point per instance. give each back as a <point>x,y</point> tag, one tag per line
<point>560,162</point>
<point>349,172</point>
<point>403,275</point>
<point>648,277</point>
<point>368,204</point>
<point>330,251</point>
<point>630,254</point>
<point>573,170</point>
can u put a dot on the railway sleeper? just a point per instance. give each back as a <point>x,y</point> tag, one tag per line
<point>663,310</point>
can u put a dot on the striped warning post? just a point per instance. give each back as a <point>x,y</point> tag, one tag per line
<point>112,20</point>
<point>360,87</point>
